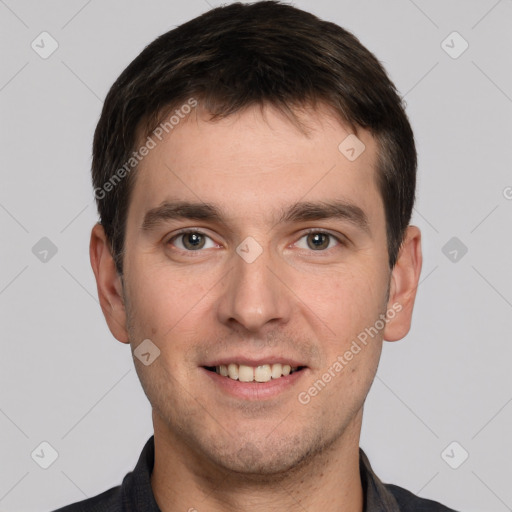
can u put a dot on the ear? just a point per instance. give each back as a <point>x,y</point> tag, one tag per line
<point>403,286</point>
<point>109,284</point>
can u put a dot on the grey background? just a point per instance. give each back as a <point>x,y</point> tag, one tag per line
<point>64,378</point>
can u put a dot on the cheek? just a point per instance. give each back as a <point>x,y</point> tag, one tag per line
<point>158,294</point>
<point>169,306</point>
<point>151,310</point>
<point>347,300</point>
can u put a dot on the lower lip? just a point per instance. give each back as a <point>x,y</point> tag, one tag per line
<point>255,390</point>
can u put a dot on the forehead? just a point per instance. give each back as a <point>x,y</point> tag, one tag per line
<point>256,162</point>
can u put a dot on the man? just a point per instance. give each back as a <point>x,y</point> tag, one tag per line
<point>254,171</point>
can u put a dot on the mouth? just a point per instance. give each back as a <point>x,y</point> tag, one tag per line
<point>257,374</point>
<point>246,378</point>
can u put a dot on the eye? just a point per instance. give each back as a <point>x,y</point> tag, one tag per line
<point>191,240</point>
<point>319,240</point>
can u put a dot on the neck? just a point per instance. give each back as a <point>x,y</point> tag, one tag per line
<point>328,481</point>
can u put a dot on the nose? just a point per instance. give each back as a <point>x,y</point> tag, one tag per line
<point>254,293</point>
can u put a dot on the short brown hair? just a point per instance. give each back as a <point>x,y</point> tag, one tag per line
<point>240,55</point>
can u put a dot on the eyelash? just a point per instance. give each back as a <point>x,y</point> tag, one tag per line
<point>340,240</point>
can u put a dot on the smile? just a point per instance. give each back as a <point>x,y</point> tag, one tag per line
<point>260,373</point>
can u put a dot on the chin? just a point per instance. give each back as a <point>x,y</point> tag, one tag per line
<point>263,460</point>
<point>255,466</point>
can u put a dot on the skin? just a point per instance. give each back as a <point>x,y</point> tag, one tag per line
<point>214,451</point>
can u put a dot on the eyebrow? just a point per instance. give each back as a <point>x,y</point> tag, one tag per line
<point>297,212</point>
<point>170,210</point>
<point>322,210</point>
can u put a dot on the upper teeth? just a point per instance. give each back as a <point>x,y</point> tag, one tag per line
<point>261,373</point>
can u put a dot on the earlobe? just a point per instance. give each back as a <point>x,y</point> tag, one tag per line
<point>404,283</point>
<point>108,283</point>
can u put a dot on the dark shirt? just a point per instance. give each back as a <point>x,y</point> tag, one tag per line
<point>135,493</point>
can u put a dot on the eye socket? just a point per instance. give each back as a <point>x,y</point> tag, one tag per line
<point>319,240</point>
<point>191,241</point>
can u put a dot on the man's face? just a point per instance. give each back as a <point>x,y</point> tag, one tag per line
<point>251,288</point>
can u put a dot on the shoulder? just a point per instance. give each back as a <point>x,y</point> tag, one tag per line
<point>108,501</point>
<point>409,502</point>
<point>134,493</point>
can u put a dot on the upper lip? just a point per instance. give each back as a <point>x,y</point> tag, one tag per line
<point>260,361</point>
